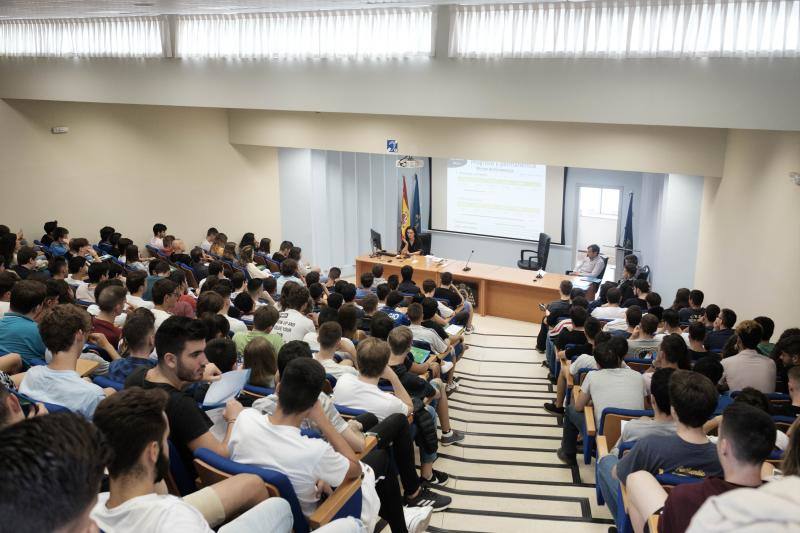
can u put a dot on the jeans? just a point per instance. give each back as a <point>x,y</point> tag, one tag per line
<point>550,353</point>
<point>609,486</point>
<point>574,422</point>
<point>273,515</point>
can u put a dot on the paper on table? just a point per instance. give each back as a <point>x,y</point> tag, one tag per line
<point>454,329</point>
<point>229,386</point>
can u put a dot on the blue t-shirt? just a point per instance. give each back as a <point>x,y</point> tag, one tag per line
<point>120,369</point>
<point>20,334</point>
<point>148,287</point>
<point>400,319</point>
<point>62,387</point>
<point>657,453</point>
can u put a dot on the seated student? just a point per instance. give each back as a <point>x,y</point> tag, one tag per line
<point>653,300</point>
<point>134,426</point>
<point>393,300</point>
<point>7,281</point>
<point>407,285</point>
<point>187,302</point>
<point>158,269</point>
<point>245,305</point>
<point>165,296</point>
<point>575,335</point>
<point>609,386</point>
<point>723,329</point>
<point>264,319</point>
<point>133,260</point>
<point>26,262</point>
<point>224,288</point>
<point>710,316</point>
<point>314,465</point>
<point>793,409</point>
<point>159,232</point>
<point>642,343</point>
<point>59,243</point>
<point>612,309</point>
<point>139,335</point>
<point>58,450</point>
<point>218,247</point>
<point>261,357</point>
<point>662,422</point>
<point>264,247</point>
<point>671,324</point>
<point>293,324</point>
<point>222,354</point>
<point>759,400</point>
<point>711,368</point>
<point>215,272</point>
<point>198,264</point>
<point>49,230</point>
<point>211,235</point>
<point>58,268</point>
<point>696,334</point>
<point>393,282</point>
<point>625,284</point>
<point>745,442</point>
<point>377,275</point>
<point>369,305</point>
<point>625,327</point>
<point>288,272</point>
<point>64,330</point>
<point>111,301</point>
<point>78,271</point>
<point>767,329</point>
<point>283,251</point>
<point>175,249</point>
<point>641,288</point>
<point>401,362</point>
<point>367,280</point>
<point>330,342</point>
<point>438,346</point>
<point>246,257</point>
<point>81,247</point>
<point>317,293</point>
<point>749,368</point>
<point>348,319</point>
<point>334,273</point>
<point>135,282</point>
<point>180,345</point>
<point>97,272</point>
<point>429,291</point>
<point>695,310</point>
<point>255,288</point>
<point>672,353</point>
<point>19,332</point>
<point>362,392</point>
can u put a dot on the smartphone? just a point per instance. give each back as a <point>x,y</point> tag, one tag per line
<point>542,307</point>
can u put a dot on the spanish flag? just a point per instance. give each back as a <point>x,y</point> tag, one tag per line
<point>405,215</point>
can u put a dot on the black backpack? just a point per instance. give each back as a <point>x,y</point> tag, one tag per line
<point>426,437</point>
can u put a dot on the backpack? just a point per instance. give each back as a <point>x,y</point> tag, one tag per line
<point>426,437</point>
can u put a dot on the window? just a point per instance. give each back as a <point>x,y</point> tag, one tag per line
<point>596,202</point>
<point>677,28</point>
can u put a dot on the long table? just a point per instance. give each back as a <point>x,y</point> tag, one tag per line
<point>503,291</point>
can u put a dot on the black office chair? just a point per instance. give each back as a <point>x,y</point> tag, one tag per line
<point>644,273</point>
<point>425,243</point>
<point>537,259</point>
<point>605,265</point>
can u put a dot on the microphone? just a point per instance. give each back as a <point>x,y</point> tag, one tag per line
<point>466,265</point>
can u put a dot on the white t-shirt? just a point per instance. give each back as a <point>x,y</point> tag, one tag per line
<point>335,369</point>
<point>151,512</point>
<point>237,326</point>
<point>749,368</point>
<point>137,301</point>
<point>353,393</point>
<point>85,292</point>
<point>256,272</point>
<point>5,307</point>
<point>161,316</point>
<point>157,242</point>
<point>205,245</point>
<point>311,339</point>
<point>256,441</point>
<point>421,333</point>
<point>119,320</point>
<point>293,326</point>
<point>62,387</point>
<point>609,313</point>
<point>72,281</point>
<point>614,387</point>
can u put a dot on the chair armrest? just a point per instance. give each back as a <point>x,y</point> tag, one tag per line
<point>328,509</point>
<point>625,500</point>
<point>576,392</point>
<point>369,443</point>
<point>602,446</point>
<point>570,378</point>
<point>652,523</point>
<point>588,413</point>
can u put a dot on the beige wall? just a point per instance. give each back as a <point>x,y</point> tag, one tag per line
<point>749,248</point>
<point>132,166</point>
<point>660,149</point>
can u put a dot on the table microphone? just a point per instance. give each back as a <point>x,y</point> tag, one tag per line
<point>466,265</point>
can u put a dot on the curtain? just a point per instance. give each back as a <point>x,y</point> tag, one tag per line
<point>357,34</point>
<point>674,29</point>
<point>89,37</point>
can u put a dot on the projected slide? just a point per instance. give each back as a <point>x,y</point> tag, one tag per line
<point>493,198</point>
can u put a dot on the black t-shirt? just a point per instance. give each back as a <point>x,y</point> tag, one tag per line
<point>187,421</point>
<point>580,349</point>
<point>408,287</point>
<point>414,384</point>
<point>687,314</point>
<point>277,256</point>
<point>625,290</point>
<point>452,297</point>
<point>697,355</point>
<point>569,337</point>
<point>46,240</point>
<point>635,301</point>
<point>558,309</point>
<point>785,410</point>
<point>436,327</point>
<point>415,246</point>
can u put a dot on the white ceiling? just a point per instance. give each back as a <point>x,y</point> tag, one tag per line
<point>111,8</point>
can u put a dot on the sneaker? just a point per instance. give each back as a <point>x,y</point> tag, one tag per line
<point>417,518</point>
<point>446,366</point>
<point>469,330</point>
<point>428,498</point>
<point>451,386</point>
<point>438,478</point>
<point>553,410</point>
<point>454,436</point>
<point>568,459</point>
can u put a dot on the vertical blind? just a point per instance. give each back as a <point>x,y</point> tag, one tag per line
<point>675,29</point>
<point>357,34</point>
<point>89,37</point>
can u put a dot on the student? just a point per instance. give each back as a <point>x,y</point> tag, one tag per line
<point>78,271</point>
<point>793,409</point>
<point>132,259</point>
<point>767,328</point>
<point>592,265</point>
<point>237,280</point>
<point>367,282</point>
<point>81,247</point>
<point>224,288</point>
<point>710,316</point>
<point>180,345</point>
<point>671,324</point>
<point>723,329</point>
<point>393,300</point>
<point>26,262</point>
<point>187,302</point>
<point>64,331</point>
<point>264,319</point>
<point>158,269</point>
<point>749,368</point>
<point>625,285</point>
<point>609,386</point>
<point>334,273</point>
<point>377,275</point>
<point>696,336</point>
<point>111,302</point>
<point>7,281</point>
<point>672,353</point>
<point>407,286</point>
<point>134,425</point>
<point>165,296</point>
<point>662,422</point>
<point>139,335</point>
<point>244,303</point>
<point>292,324</point>
<point>283,251</point>
<point>159,232</point>
<point>348,318</point>
<point>222,354</point>
<point>745,442</point>
<point>19,332</point>
<point>58,268</point>
<point>641,288</point>
<point>612,309</point>
<point>429,291</point>
<point>215,272</point>
<point>421,333</point>
<point>58,450</point>
<point>695,310</point>
<point>642,343</point>
<point>330,341</point>
<point>288,272</point>
<point>625,328</point>
<point>264,247</point>
<point>211,235</point>
<point>198,264</point>
<point>246,255</point>
<point>218,247</point>
<point>49,230</point>
<point>274,441</point>
<point>261,357</point>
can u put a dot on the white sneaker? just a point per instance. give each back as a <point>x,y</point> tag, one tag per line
<point>446,366</point>
<point>451,386</point>
<point>417,518</point>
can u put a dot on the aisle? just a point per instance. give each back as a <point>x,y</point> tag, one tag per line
<point>505,476</point>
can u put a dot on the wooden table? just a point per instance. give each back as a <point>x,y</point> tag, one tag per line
<point>503,291</point>
<point>84,367</point>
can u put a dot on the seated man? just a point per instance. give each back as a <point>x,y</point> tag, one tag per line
<point>612,309</point>
<point>641,288</point>
<point>429,290</point>
<point>767,329</point>
<point>159,232</point>
<point>696,334</point>
<point>695,311</point>
<point>134,282</point>
<point>625,284</point>
<point>610,386</point>
<point>367,280</point>
<point>158,269</point>
<point>692,399</point>
<point>59,450</point>
<point>572,335</point>
<point>165,295</point>
<point>78,271</point>
<point>672,353</point>
<point>97,272</point>
<point>439,347</point>
<point>111,303</point>
<point>293,324</point>
<point>329,337</point>
<point>745,441</point>
<point>407,285</point>
<point>592,265</point>
<point>7,281</point>
<point>180,344</point>
<point>264,319</point>
<point>139,334</point>
<point>362,392</point>
<point>377,275</point>
<point>19,332</point>
<point>315,465</point>
<point>662,422</point>
<point>723,329</point>
<point>643,343</point>
<point>64,330</point>
<point>625,327</point>
<point>462,308</point>
<point>393,300</point>
<point>288,272</point>
<point>135,427</point>
<point>793,409</point>
<point>225,288</point>
<point>26,262</point>
<point>749,368</point>
<point>671,324</point>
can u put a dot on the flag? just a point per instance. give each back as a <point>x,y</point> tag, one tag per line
<point>405,216</point>
<point>627,240</point>
<point>416,215</point>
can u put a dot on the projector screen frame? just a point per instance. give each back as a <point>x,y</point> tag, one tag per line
<point>561,241</point>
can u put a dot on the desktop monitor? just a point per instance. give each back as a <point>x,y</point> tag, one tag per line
<point>376,240</point>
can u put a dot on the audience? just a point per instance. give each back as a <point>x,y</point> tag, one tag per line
<point>293,324</point>
<point>111,301</point>
<point>748,368</point>
<point>264,319</point>
<point>723,329</point>
<point>407,285</point>
<point>139,335</point>
<point>19,332</point>
<point>643,342</point>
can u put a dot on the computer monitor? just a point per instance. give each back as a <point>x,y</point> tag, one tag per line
<point>376,240</point>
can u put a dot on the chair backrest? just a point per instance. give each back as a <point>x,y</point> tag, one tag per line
<point>422,344</point>
<point>348,412</point>
<point>644,273</point>
<point>783,423</point>
<point>154,252</point>
<point>611,422</point>
<point>425,243</point>
<point>670,479</point>
<point>51,407</point>
<point>261,392</point>
<point>181,477</point>
<point>103,381</point>
<point>189,272</point>
<point>543,250</point>
<point>640,365</point>
<point>605,265</point>
<point>582,373</point>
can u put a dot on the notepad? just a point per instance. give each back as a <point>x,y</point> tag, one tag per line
<point>229,386</point>
<point>454,329</point>
<point>420,355</point>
